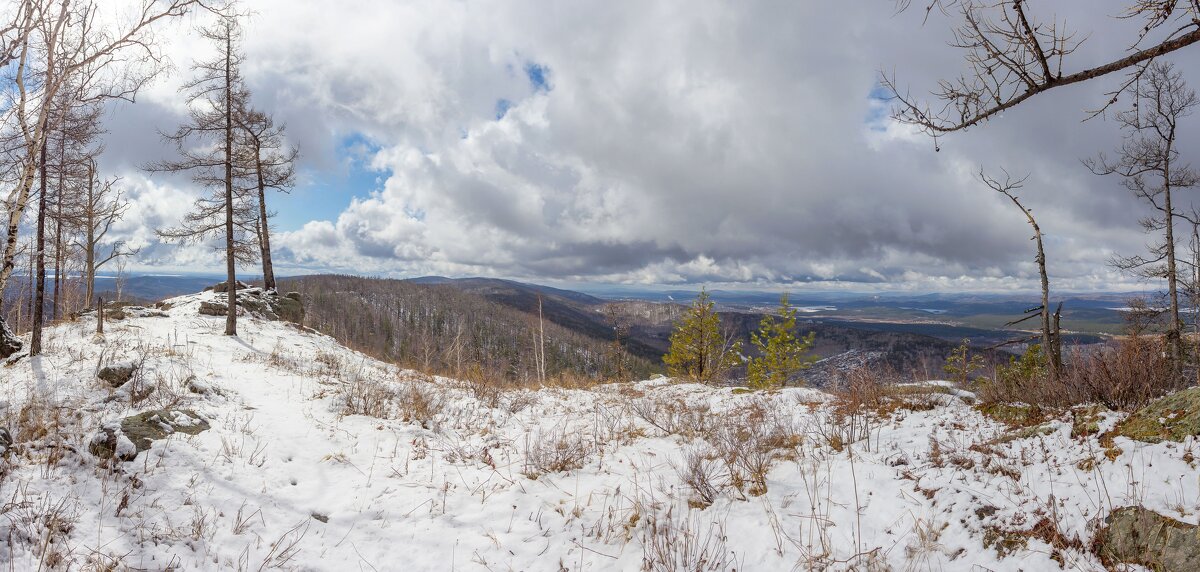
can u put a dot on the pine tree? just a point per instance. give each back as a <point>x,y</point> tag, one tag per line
<point>960,364</point>
<point>699,350</point>
<point>781,354</point>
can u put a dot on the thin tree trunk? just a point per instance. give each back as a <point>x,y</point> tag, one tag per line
<point>230,265</point>
<point>39,298</point>
<point>1173,333</point>
<point>264,232</point>
<point>89,254</point>
<point>58,220</point>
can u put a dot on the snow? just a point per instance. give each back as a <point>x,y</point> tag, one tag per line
<point>285,479</point>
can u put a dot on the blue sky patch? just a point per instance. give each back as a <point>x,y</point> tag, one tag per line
<point>322,194</point>
<point>539,77</point>
<point>502,107</point>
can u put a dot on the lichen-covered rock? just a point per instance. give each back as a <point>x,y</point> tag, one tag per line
<point>9,342</point>
<point>1136,535</point>
<point>1170,418</point>
<point>159,424</point>
<point>117,375</point>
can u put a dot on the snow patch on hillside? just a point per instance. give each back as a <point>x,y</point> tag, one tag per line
<point>455,476</point>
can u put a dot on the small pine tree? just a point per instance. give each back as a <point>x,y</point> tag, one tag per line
<point>780,353</point>
<point>960,364</point>
<point>699,351</point>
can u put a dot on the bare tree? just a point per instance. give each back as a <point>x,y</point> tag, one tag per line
<point>271,162</point>
<point>1149,165</point>
<point>71,148</point>
<point>102,207</point>
<point>1051,339</point>
<point>1012,55</point>
<point>47,45</point>
<point>206,146</point>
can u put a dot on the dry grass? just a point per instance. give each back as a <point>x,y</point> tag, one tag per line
<point>368,396</point>
<point>674,416</point>
<point>691,543</point>
<point>555,451</point>
<point>422,403</point>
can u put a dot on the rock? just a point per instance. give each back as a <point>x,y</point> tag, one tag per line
<point>159,424</point>
<point>9,342</point>
<point>213,308</point>
<point>1170,418</point>
<point>110,444</point>
<point>117,375</point>
<point>1136,535</point>
<point>293,296</point>
<point>224,286</point>
<point>196,385</point>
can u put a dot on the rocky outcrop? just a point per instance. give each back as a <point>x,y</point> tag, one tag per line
<point>1136,535</point>
<point>213,308</point>
<point>224,286</point>
<point>1171,418</point>
<point>255,301</point>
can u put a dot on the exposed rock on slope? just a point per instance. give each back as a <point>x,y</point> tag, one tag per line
<point>264,304</point>
<point>1135,535</point>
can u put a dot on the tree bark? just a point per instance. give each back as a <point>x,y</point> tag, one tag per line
<point>264,230</point>
<point>39,298</point>
<point>89,251</point>
<point>230,264</point>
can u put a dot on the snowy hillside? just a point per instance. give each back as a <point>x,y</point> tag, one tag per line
<point>281,449</point>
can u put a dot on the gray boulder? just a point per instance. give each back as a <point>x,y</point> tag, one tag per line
<point>117,375</point>
<point>1136,535</point>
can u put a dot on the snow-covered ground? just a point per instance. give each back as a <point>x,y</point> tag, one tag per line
<point>449,475</point>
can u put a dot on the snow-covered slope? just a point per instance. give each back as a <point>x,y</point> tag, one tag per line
<point>449,475</point>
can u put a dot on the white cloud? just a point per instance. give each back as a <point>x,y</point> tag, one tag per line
<point>681,141</point>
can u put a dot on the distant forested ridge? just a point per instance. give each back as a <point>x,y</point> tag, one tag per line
<point>440,328</point>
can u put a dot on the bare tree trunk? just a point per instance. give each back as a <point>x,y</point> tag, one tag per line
<point>1173,332</point>
<point>89,246</point>
<point>39,298</point>
<point>1051,345</point>
<point>541,343</point>
<point>264,233</point>
<point>230,263</point>
<point>58,220</point>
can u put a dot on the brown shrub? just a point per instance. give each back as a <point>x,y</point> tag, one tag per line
<point>1122,375</point>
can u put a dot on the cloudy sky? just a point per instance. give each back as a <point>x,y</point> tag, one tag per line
<point>669,142</point>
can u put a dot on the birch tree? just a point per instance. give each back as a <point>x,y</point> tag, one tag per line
<point>47,45</point>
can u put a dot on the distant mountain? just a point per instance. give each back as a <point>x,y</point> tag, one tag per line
<point>575,311</point>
